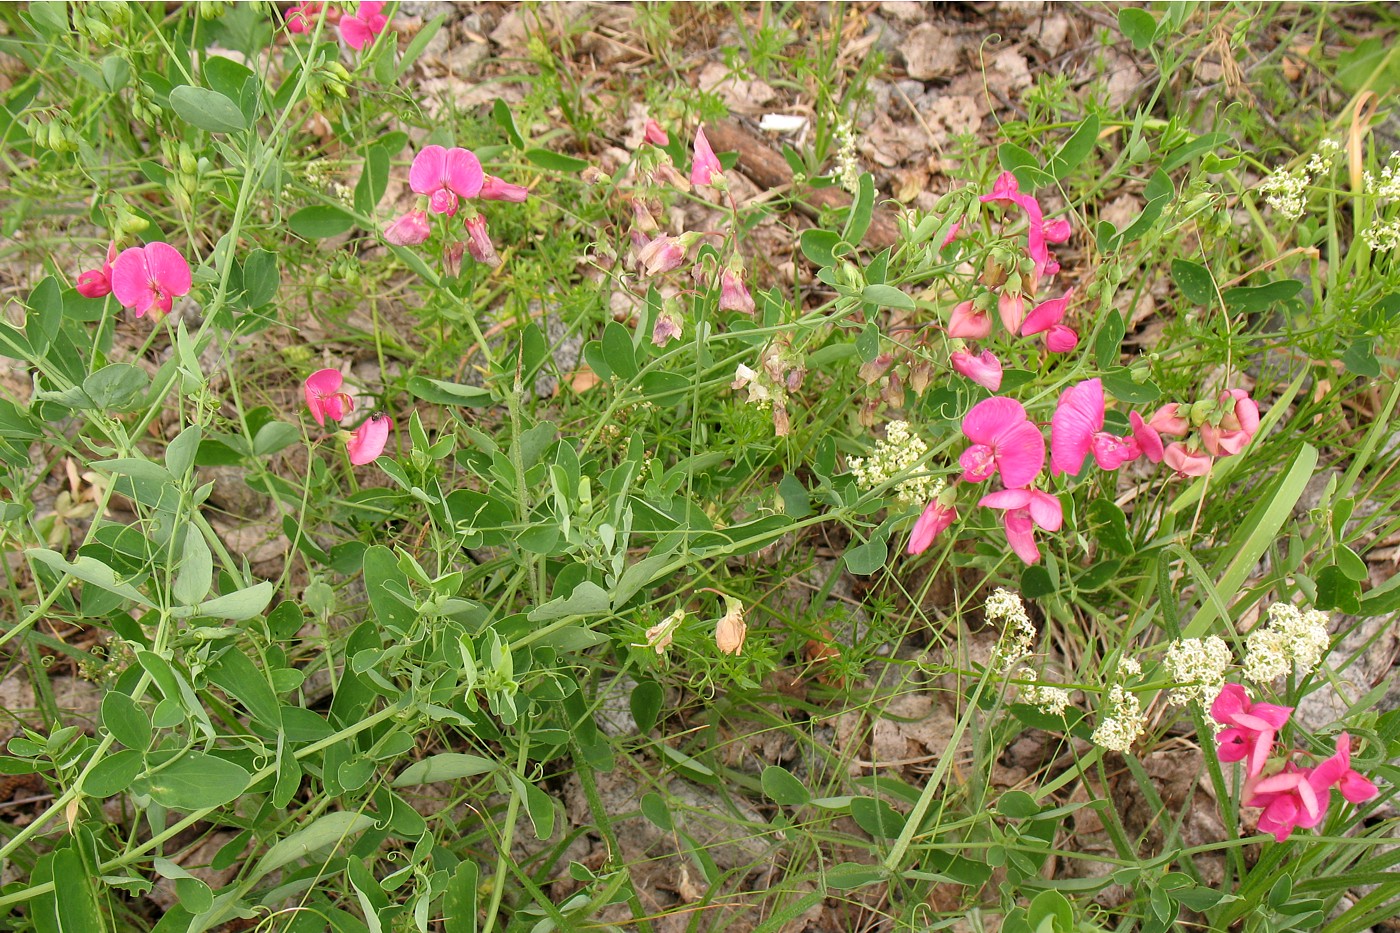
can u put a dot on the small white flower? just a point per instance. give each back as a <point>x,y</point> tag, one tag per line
<point>1199,666</point>
<point>899,453</point>
<point>1121,722</point>
<point>1290,640</point>
<point>1381,236</point>
<point>1129,667</point>
<point>1048,698</point>
<point>782,123</point>
<point>1017,633</point>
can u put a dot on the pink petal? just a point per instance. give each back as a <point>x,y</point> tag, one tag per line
<point>1356,787</point>
<point>169,269</point>
<point>1046,314</point>
<point>1260,745</point>
<point>494,189</point>
<point>355,32</point>
<point>131,280</point>
<point>1232,745</point>
<point>1012,310</point>
<point>979,462</point>
<point>1021,454</point>
<point>463,172</point>
<point>1078,416</point>
<point>1061,339</point>
<point>1231,700</point>
<point>968,322</point>
<point>1020,534</point>
<point>367,442</point>
<point>1276,716</point>
<point>935,519</point>
<point>1279,818</point>
<point>983,369</point>
<point>429,166</point>
<point>1046,510</point>
<point>1006,499</point>
<point>990,419</point>
<point>1149,441</point>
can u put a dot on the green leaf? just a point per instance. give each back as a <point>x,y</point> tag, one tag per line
<point>1109,526</point>
<point>1120,384</point>
<point>1076,149</point>
<point>459,904</point>
<point>555,161</point>
<point>274,436</point>
<point>645,703</point>
<point>849,875</point>
<point>502,117</point>
<point>196,781</point>
<point>261,278</point>
<point>780,786</point>
<point>439,392</point>
<point>657,813</point>
<point>374,180</point>
<point>538,804</point>
<point>1138,26</point>
<point>887,296</point>
<point>114,773</point>
<point>1360,358</point>
<point>239,605</point>
<point>331,829</point>
<point>1351,564</point>
<point>419,44</point>
<point>73,890</point>
<point>862,209</point>
<point>1053,906</point>
<point>206,109</point>
<point>864,559</point>
<point>320,221</point>
<point>386,582</point>
<point>1036,582</point>
<point>1195,282</point>
<point>1337,591</point>
<point>588,598</point>
<point>126,721</point>
<point>448,766</point>
<point>1024,166</point>
<point>876,817</point>
<point>196,573</point>
<point>90,570</point>
<point>1017,804</point>
<point>116,387</point>
<point>1254,298</point>
<point>1110,338</point>
<point>241,679</point>
<point>618,351</point>
<point>819,246</point>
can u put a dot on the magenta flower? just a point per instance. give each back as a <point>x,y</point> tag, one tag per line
<point>654,134</point>
<point>1292,798</point>
<point>301,17</point>
<point>479,241</point>
<point>97,283</point>
<point>150,276</point>
<point>950,236</point>
<point>412,229</point>
<point>360,29</point>
<point>935,520</point>
<point>733,293</point>
<point>1061,339</point>
<point>705,168</point>
<point>1147,438</point>
<point>1337,771</point>
<point>1057,231</point>
<point>493,189</point>
<point>1025,510</point>
<point>969,321</point>
<point>983,369</point>
<point>1005,189</point>
<point>1237,425</point>
<point>1012,309</point>
<point>1003,440</point>
<point>1046,315</point>
<point>1076,429</point>
<point>324,396</point>
<point>1250,727</point>
<point>1186,461</point>
<point>367,441</point>
<point>662,254</point>
<point>444,176</point>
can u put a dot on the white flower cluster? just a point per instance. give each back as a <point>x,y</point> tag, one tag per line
<point>1047,697</point>
<point>1198,666</point>
<point>898,453</point>
<point>1290,640</point>
<point>1382,237</point>
<point>1286,190</point>
<point>1017,632</point>
<point>1121,723</point>
<point>847,157</point>
<point>1321,160</point>
<point>1386,187</point>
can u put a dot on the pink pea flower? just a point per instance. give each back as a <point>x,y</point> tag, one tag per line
<point>935,520</point>
<point>705,168</point>
<point>654,134</point>
<point>367,441</point>
<point>493,189</point>
<point>1250,727</point>
<point>1057,231</point>
<point>412,229</point>
<point>1076,429</point>
<point>1291,799</point>
<point>969,321</point>
<point>1169,420</point>
<point>1003,440</point>
<point>1237,425</point>
<point>1025,510</point>
<point>950,236</point>
<point>663,254</point>
<point>150,276</point>
<point>1186,461</point>
<point>983,369</point>
<point>324,396</point>
<point>1147,438</point>
<point>301,17</point>
<point>1337,771</point>
<point>479,241</point>
<point>1046,315</point>
<point>1005,189</point>
<point>97,283</point>
<point>733,293</point>
<point>1012,309</point>
<point>444,176</point>
<point>1061,339</point>
<point>367,22</point>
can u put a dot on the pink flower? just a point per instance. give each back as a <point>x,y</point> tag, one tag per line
<point>935,520</point>
<point>668,325</point>
<point>411,229</point>
<point>733,294</point>
<point>1046,315</point>
<point>950,236</point>
<point>150,276</point>
<point>1076,429</point>
<point>705,168</point>
<point>324,397</point>
<point>1337,771</point>
<point>662,254</point>
<point>301,17</point>
<point>1002,440</point>
<point>1168,420</point>
<point>983,369</point>
<point>1061,339</point>
<point>445,175</point>
<point>970,322</point>
<point>1237,425</point>
<point>367,441</point>
<point>98,283</point>
<point>1025,510</point>
<point>360,29</point>
<point>1147,438</point>
<point>1057,231</point>
<point>1186,461</point>
<point>479,241</point>
<point>1012,309</point>
<point>1251,727</point>
<point>1005,189</point>
<point>1291,798</point>
<point>493,189</point>
<point>654,134</point>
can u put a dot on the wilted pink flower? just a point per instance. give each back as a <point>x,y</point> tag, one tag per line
<point>668,325</point>
<point>733,293</point>
<point>654,134</point>
<point>1046,315</point>
<point>1061,339</point>
<point>452,258</point>
<point>367,441</point>
<point>1025,510</point>
<point>704,167</point>
<point>1076,429</point>
<point>324,397</point>
<point>97,283</point>
<point>1186,461</point>
<point>983,369</point>
<point>479,241</point>
<point>969,321</point>
<point>367,22</point>
<point>445,175</point>
<point>493,189</point>
<point>1011,306</point>
<point>412,229</point>
<point>1002,440</point>
<point>1057,231</point>
<point>1237,425</point>
<point>1250,727</point>
<point>935,520</point>
<point>662,254</point>
<point>150,276</point>
<point>665,174</point>
<point>1147,438</point>
<point>1168,420</point>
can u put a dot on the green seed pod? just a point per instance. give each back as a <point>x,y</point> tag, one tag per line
<point>127,222</point>
<point>188,164</point>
